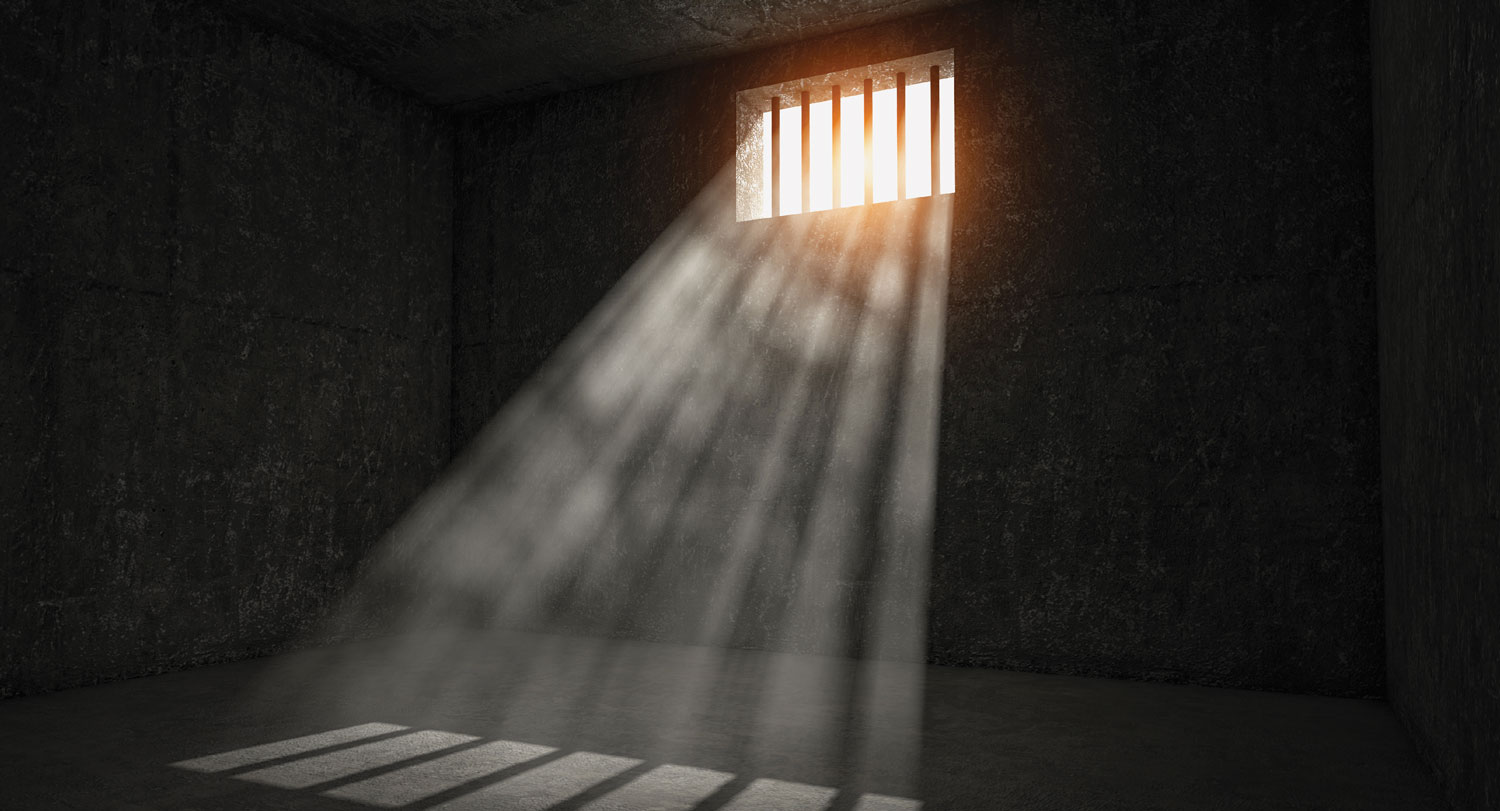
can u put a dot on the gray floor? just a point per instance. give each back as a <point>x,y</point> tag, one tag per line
<point>518,721</point>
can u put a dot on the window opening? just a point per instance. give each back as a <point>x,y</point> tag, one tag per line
<point>848,138</point>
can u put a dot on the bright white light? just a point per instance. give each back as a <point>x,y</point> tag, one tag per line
<point>820,156</point>
<point>791,160</point>
<point>852,149</point>
<point>945,135</point>
<point>919,138</point>
<point>852,134</point>
<point>765,164</point>
<point>885,145</point>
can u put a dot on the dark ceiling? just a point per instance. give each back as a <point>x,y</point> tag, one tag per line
<point>477,53</point>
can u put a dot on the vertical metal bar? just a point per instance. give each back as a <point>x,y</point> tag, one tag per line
<point>937,166</point>
<point>806,152</point>
<point>869,141</point>
<point>901,136</point>
<point>838,101</point>
<point>775,156</point>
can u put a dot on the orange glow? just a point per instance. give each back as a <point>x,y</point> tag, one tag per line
<point>885,145</point>
<point>765,164</point>
<point>852,153</point>
<point>852,149</point>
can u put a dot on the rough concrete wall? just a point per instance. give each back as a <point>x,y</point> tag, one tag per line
<point>1160,456</point>
<point>224,310</point>
<point>1158,438</point>
<point>1437,171</point>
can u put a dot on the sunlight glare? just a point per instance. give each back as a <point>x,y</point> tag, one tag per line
<point>852,149</point>
<point>765,164</point>
<point>885,145</point>
<point>820,156</point>
<point>791,160</point>
<point>852,135</point>
<point>919,138</point>
<point>945,135</point>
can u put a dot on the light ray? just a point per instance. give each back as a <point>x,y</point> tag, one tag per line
<point>736,449</point>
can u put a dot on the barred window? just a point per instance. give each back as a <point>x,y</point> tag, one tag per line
<point>849,138</point>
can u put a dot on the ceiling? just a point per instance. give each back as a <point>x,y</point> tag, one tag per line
<point>471,54</point>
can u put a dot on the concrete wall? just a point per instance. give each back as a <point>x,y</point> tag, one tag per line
<point>224,311</point>
<point>1437,171</point>
<point>1159,453</point>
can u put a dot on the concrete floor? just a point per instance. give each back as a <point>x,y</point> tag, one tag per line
<point>520,721</point>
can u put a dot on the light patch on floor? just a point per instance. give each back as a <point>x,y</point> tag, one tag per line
<point>421,766</point>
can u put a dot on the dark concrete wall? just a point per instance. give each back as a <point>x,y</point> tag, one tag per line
<point>1437,171</point>
<point>1159,453</point>
<point>224,311</point>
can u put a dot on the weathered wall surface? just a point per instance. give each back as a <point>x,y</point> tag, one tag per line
<point>1437,171</point>
<point>224,315</point>
<point>1159,452</point>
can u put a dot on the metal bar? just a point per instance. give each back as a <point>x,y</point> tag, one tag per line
<point>869,140</point>
<point>806,151</point>
<point>901,136</point>
<point>937,166</point>
<point>775,156</point>
<point>838,101</point>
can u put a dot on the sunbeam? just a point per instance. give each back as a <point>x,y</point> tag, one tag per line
<point>734,453</point>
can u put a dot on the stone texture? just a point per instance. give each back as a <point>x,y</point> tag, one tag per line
<point>224,310</point>
<point>1158,454</point>
<point>1437,170</point>
<point>473,54</point>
